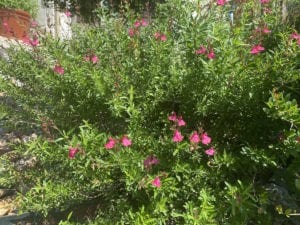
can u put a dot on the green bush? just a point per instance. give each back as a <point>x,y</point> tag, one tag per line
<point>146,88</point>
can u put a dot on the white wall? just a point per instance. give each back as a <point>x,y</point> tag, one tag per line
<point>53,21</point>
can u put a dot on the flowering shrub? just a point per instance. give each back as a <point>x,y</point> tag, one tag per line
<point>178,128</point>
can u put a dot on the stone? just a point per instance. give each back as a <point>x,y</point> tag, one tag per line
<point>3,147</point>
<point>3,54</point>
<point>4,211</point>
<point>24,163</point>
<point>6,206</point>
<point>28,138</point>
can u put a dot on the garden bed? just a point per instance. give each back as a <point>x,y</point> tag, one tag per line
<point>190,118</point>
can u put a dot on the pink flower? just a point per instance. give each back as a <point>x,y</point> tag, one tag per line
<point>298,42</point>
<point>295,35</point>
<point>211,54</point>
<point>72,152</point>
<point>94,59</point>
<point>59,69</point>
<point>156,182</point>
<point>221,2</point>
<point>160,36</point>
<point>266,30</point>
<point>211,151</point>
<point>149,161</point>
<point>264,1</point>
<point>180,121</point>
<point>163,37</point>
<point>34,23</point>
<point>131,32</point>
<point>195,138</point>
<point>125,141</point>
<point>205,139</point>
<point>111,143</point>
<point>26,40</point>
<point>34,42</point>
<point>201,50</point>
<point>68,13</point>
<point>137,23</point>
<point>256,49</point>
<point>144,22</point>
<point>173,117</point>
<point>157,35</point>
<point>177,136</point>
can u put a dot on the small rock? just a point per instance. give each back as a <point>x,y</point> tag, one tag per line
<point>12,156</point>
<point>3,147</point>
<point>4,211</point>
<point>34,136</point>
<point>25,163</point>
<point>7,205</point>
<point>3,54</point>
<point>15,140</point>
<point>27,138</point>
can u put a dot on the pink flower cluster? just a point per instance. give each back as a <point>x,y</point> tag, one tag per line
<point>203,138</point>
<point>150,161</point>
<point>68,13</point>
<point>264,1</point>
<point>296,37</point>
<point>58,69</point>
<point>132,31</point>
<point>31,42</point>
<point>91,58</point>
<point>112,142</point>
<point>72,152</point>
<point>141,22</point>
<point>156,182</point>
<point>221,2</point>
<point>178,122</point>
<point>263,30</point>
<point>203,51</point>
<point>196,138</point>
<point>160,36</point>
<point>34,23</point>
<point>177,137</point>
<point>256,49</point>
<point>177,119</point>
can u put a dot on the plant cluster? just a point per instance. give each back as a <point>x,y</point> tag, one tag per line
<point>188,118</point>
